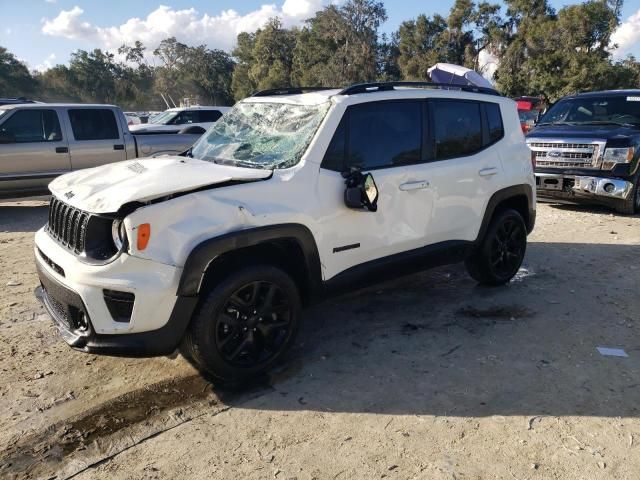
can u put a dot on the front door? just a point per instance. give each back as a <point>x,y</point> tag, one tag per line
<point>383,138</point>
<point>33,150</point>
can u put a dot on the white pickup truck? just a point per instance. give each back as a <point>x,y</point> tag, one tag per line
<point>39,141</point>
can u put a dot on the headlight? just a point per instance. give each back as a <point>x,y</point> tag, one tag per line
<point>118,234</point>
<point>613,156</point>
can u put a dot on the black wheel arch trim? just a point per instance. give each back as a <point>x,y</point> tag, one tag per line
<point>502,196</point>
<point>206,252</point>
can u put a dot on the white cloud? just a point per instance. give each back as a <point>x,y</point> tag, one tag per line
<point>47,63</point>
<point>627,35</point>
<point>187,25</point>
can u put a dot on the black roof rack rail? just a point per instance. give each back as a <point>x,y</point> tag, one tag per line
<point>386,86</point>
<point>289,91</point>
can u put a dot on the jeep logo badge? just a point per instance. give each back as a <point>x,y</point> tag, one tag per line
<point>554,154</point>
<point>69,194</point>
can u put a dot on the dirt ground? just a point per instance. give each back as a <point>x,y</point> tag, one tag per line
<point>427,377</point>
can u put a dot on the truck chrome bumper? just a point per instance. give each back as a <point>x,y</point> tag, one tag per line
<point>589,186</point>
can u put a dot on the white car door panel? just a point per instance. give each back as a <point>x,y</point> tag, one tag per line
<point>466,169</point>
<point>377,138</point>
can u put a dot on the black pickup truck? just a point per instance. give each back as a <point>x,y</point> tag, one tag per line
<point>587,150</point>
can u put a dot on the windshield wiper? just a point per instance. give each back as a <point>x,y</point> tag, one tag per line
<point>608,122</point>
<point>238,163</point>
<point>557,123</point>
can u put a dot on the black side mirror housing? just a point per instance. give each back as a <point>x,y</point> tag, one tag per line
<point>361,192</point>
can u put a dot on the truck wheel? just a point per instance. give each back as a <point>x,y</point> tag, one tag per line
<point>631,205</point>
<point>244,324</point>
<point>502,250</point>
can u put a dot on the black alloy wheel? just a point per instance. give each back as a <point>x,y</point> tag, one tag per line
<point>244,324</point>
<point>253,325</point>
<point>499,255</point>
<point>507,248</point>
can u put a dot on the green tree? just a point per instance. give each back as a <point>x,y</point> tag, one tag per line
<point>15,79</point>
<point>339,45</point>
<point>419,46</point>
<point>241,84</point>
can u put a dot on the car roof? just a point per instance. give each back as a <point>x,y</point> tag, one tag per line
<point>620,93</point>
<point>197,107</point>
<point>404,92</point>
<point>45,105</point>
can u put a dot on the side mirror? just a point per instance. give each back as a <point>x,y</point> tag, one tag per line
<point>6,137</point>
<point>361,192</point>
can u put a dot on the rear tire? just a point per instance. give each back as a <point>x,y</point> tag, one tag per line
<point>244,324</point>
<point>631,205</point>
<point>500,255</point>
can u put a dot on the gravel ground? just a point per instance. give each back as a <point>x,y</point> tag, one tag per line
<point>429,376</point>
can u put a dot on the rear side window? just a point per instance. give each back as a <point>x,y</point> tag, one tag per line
<point>494,122</point>
<point>93,124</point>
<point>31,125</point>
<point>188,116</point>
<point>457,129</point>
<point>209,115</point>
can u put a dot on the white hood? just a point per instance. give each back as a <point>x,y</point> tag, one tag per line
<point>105,189</point>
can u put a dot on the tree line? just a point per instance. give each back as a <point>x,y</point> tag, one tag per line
<point>536,50</point>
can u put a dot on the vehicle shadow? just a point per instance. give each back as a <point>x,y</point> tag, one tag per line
<point>23,216</point>
<point>585,208</point>
<point>437,344</point>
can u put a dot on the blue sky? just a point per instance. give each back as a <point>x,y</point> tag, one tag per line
<point>45,32</point>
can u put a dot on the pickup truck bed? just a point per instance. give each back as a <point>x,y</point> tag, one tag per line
<point>38,142</point>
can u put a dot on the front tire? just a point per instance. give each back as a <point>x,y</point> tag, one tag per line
<point>631,205</point>
<point>244,324</point>
<point>502,250</point>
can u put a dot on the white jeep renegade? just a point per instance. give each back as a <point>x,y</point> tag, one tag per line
<point>290,197</point>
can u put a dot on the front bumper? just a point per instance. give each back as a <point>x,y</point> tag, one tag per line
<point>582,187</point>
<point>74,295</point>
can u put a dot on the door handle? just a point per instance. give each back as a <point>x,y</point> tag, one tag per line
<point>405,187</point>
<point>118,147</point>
<point>487,172</point>
<point>62,149</point>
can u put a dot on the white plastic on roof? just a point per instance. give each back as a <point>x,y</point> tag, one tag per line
<point>457,75</point>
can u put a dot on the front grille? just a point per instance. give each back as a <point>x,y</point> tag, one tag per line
<point>68,225</point>
<point>59,310</point>
<point>566,154</point>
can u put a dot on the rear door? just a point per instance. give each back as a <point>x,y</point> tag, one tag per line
<point>97,137</point>
<point>33,149</point>
<point>465,169</point>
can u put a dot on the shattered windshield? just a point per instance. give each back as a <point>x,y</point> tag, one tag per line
<point>261,135</point>
<point>609,110</point>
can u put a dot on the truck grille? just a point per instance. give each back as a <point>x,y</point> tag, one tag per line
<point>68,225</point>
<point>560,154</point>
